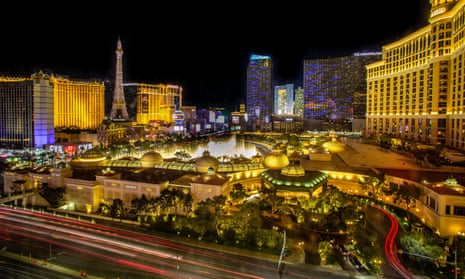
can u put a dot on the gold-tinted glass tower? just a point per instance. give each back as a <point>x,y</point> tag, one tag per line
<point>79,104</point>
<point>118,109</point>
<point>155,102</point>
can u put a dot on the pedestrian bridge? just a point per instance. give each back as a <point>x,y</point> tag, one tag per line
<point>16,197</point>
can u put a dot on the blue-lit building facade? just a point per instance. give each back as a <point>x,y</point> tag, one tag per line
<point>27,111</point>
<point>259,100</point>
<point>335,88</point>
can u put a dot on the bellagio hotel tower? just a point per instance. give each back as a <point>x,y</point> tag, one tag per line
<point>417,90</point>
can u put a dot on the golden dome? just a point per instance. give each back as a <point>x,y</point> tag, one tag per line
<point>294,170</point>
<point>334,146</point>
<point>93,154</point>
<point>204,163</point>
<point>275,160</point>
<point>151,158</point>
<point>88,159</point>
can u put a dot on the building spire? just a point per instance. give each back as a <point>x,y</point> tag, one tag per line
<point>118,109</point>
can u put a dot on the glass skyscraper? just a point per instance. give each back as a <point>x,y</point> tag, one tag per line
<point>259,92</point>
<point>284,99</point>
<point>299,102</point>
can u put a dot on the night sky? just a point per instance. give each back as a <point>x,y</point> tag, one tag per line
<point>203,47</point>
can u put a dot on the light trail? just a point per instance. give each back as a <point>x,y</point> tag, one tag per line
<point>66,232</point>
<point>390,248</point>
<point>143,239</point>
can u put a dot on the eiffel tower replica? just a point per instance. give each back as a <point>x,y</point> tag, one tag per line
<point>119,111</point>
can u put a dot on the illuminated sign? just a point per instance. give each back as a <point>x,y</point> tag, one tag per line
<point>70,148</point>
<point>438,11</point>
<point>220,119</point>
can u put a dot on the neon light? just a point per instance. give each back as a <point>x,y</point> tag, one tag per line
<point>259,57</point>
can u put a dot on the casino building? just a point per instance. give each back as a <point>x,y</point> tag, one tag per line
<point>417,90</point>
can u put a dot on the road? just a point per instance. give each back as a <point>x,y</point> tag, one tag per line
<point>67,246</point>
<point>387,228</point>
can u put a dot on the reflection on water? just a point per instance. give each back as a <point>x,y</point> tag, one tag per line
<point>219,147</point>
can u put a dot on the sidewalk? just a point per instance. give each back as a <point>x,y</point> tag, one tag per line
<point>49,265</point>
<point>357,154</point>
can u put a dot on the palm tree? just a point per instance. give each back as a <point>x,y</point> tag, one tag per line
<point>406,194</point>
<point>188,202</point>
<point>166,199</point>
<point>374,184</point>
<point>330,200</point>
<point>218,203</point>
<point>238,192</point>
<point>140,205</point>
<point>177,199</point>
<point>117,209</point>
<point>249,214</point>
<point>274,202</point>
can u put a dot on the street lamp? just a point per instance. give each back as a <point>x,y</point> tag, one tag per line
<point>442,262</point>
<point>377,263</point>
<point>178,264</point>
<point>281,256</point>
<point>51,257</point>
<point>50,245</point>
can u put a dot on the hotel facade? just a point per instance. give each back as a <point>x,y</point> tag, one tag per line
<point>334,88</point>
<point>416,91</point>
<point>259,92</point>
<point>26,111</point>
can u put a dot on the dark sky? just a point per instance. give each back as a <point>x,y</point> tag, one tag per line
<point>202,47</point>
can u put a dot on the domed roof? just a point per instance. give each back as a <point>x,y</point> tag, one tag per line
<point>275,160</point>
<point>293,170</point>
<point>89,159</point>
<point>151,158</point>
<point>334,146</point>
<point>93,154</point>
<point>292,179</point>
<point>204,163</point>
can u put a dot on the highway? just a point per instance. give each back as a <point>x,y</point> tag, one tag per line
<point>66,246</point>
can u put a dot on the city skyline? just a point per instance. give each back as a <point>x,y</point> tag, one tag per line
<point>205,52</point>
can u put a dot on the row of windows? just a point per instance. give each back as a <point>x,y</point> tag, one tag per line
<point>457,209</point>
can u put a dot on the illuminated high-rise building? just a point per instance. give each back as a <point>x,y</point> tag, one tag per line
<point>284,99</point>
<point>119,110</point>
<point>299,102</point>
<point>26,111</point>
<point>259,91</point>
<point>417,90</point>
<point>334,88</point>
<point>242,108</point>
<point>155,103</point>
<point>79,104</point>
